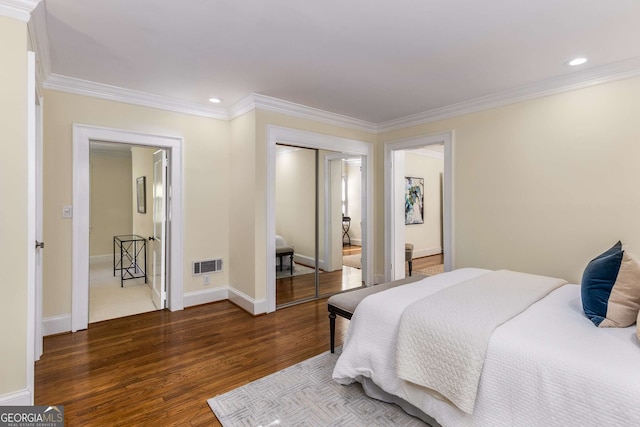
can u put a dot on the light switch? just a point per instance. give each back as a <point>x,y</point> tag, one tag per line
<point>67,211</point>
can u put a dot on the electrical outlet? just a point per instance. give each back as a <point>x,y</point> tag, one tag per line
<point>206,280</point>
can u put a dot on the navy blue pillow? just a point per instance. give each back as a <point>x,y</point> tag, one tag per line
<point>597,282</point>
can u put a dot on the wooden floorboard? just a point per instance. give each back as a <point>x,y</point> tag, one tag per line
<point>160,368</point>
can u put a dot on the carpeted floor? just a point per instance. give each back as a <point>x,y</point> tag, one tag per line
<point>431,271</point>
<point>305,395</point>
<point>354,261</point>
<point>298,270</point>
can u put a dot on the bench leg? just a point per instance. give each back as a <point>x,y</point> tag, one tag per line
<point>410,267</point>
<point>291,264</point>
<point>332,330</point>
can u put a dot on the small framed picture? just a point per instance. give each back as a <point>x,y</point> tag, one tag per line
<point>141,193</point>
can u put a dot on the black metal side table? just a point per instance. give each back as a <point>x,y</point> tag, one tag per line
<point>346,224</point>
<point>133,250</point>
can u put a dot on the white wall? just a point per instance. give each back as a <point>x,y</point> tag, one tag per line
<point>427,237</point>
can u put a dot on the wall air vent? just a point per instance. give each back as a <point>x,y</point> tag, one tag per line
<point>207,266</point>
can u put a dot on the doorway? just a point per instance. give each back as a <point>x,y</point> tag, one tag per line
<point>122,205</point>
<point>82,135</point>
<point>396,179</point>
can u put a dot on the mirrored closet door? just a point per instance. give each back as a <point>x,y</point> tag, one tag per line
<point>317,243</point>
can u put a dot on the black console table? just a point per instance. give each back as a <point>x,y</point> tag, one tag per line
<point>346,223</point>
<point>133,250</point>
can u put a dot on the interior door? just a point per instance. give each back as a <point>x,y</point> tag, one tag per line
<point>157,241</point>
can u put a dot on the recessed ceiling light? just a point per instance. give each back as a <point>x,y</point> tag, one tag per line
<point>215,100</point>
<point>577,61</point>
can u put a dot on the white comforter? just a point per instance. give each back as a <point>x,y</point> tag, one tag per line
<point>548,366</point>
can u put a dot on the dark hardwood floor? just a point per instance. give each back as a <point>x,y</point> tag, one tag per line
<point>296,288</point>
<point>160,368</point>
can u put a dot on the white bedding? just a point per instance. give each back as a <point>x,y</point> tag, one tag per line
<point>547,366</point>
<point>443,338</point>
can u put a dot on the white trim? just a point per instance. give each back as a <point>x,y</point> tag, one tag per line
<point>574,81</point>
<point>205,296</point>
<point>38,34</point>
<point>128,96</point>
<point>568,82</point>
<point>20,398</point>
<point>446,138</point>
<point>56,324</point>
<point>308,261</point>
<point>82,134</point>
<point>289,108</point>
<point>247,303</point>
<point>31,220</point>
<point>356,242</point>
<point>18,9</point>
<point>419,253</point>
<point>299,138</point>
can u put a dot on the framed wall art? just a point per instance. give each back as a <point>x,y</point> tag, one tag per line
<point>414,201</point>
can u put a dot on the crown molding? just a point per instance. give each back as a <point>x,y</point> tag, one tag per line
<point>577,80</point>
<point>18,9</point>
<point>114,93</point>
<point>268,103</point>
<point>38,35</point>
<point>574,81</point>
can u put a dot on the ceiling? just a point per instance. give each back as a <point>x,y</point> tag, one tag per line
<point>371,60</point>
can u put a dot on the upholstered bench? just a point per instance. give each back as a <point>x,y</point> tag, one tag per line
<point>345,303</point>
<point>284,251</point>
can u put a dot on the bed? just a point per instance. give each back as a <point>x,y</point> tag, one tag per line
<point>547,365</point>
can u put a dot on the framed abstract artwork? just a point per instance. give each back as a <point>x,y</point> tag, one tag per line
<point>414,201</point>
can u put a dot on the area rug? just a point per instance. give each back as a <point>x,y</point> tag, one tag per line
<point>431,271</point>
<point>305,395</point>
<point>354,261</point>
<point>298,270</point>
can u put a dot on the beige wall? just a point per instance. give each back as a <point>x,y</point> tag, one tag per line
<point>426,238</point>
<point>13,205</point>
<point>295,203</point>
<point>543,186</point>
<point>110,202</point>
<point>205,175</point>
<point>142,165</point>
<point>242,202</point>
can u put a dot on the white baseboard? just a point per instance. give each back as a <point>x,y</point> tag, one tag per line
<point>205,296</point>
<point>56,324</point>
<point>419,253</point>
<point>19,398</point>
<point>308,261</point>
<point>247,303</point>
<point>98,259</point>
<point>356,242</point>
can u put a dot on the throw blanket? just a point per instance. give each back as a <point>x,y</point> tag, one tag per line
<point>443,338</point>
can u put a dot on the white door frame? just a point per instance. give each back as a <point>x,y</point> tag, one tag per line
<point>328,240</point>
<point>299,138</point>
<point>82,134</point>
<point>390,217</point>
<point>32,174</point>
